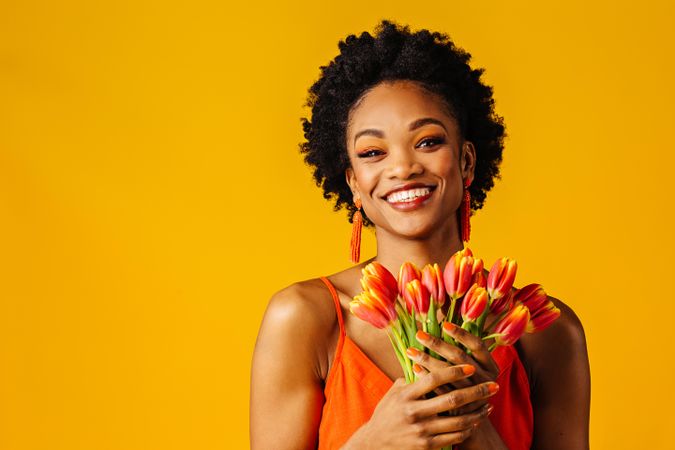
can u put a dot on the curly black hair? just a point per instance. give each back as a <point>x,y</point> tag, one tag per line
<point>430,59</point>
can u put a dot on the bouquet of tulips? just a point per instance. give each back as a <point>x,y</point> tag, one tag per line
<point>426,299</point>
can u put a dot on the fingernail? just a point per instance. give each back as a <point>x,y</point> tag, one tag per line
<point>417,368</point>
<point>493,387</point>
<point>468,370</point>
<point>490,408</point>
<point>422,336</point>
<point>413,352</point>
<point>449,327</point>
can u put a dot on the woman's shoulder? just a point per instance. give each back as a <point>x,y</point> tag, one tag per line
<point>306,304</point>
<point>562,344</point>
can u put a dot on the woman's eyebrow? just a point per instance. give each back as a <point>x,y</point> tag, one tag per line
<point>425,121</point>
<point>413,126</point>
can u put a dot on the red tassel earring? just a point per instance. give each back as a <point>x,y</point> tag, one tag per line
<point>465,212</point>
<point>357,222</point>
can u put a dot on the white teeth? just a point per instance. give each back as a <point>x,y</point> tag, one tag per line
<point>407,196</point>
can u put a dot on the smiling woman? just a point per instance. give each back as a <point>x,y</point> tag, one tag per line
<point>403,134</point>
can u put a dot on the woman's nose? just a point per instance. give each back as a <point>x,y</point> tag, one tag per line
<point>402,164</point>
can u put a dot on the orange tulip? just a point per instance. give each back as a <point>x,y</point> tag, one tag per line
<point>501,277</point>
<point>478,277</point>
<point>512,326</point>
<point>458,273</point>
<point>416,297</point>
<point>432,279</point>
<point>377,277</point>
<point>406,274</point>
<point>374,308</point>
<point>474,303</point>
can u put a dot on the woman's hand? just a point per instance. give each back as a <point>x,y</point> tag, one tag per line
<point>405,419</point>
<point>486,367</point>
<point>484,435</point>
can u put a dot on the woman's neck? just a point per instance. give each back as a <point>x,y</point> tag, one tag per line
<point>393,250</point>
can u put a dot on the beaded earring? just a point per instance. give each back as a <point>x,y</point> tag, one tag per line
<point>357,222</point>
<point>465,213</point>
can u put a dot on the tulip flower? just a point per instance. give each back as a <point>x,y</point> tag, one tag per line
<point>542,310</point>
<point>406,274</point>
<point>474,303</point>
<point>542,318</point>
<point>512,326</point>
<point>416,297</point>
<point>377,277</point>
<point>502,304</point>
<point>532,296</point>
<point>374,308</point>
<point>432,279</point>
<point>478,277</point>
<point>458,273</point>
<point>501,277</point>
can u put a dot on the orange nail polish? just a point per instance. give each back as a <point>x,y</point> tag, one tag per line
<point>468,370</point>
<point>493,387</point>
<point>449,327</point>
<point>413,352</point>
<point>417,368</point>
<point>422,336</point>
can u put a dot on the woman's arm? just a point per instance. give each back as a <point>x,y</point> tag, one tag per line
<point>286,386</point>
<point>560,383</point>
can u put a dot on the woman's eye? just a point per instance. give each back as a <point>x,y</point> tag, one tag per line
<point>430,142</point>
<point>368,153</point>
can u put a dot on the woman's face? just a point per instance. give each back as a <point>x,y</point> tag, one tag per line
<point>400,134</point>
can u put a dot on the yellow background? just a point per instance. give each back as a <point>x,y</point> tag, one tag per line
<point>152,198</point>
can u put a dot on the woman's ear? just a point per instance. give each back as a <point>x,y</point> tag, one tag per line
<point>468,160</point>
<point>351,181</point>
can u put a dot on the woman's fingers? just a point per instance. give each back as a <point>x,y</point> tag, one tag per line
<point>450,352</point>
<point>433,380</point>
<point>426,363</point>
<point>454,399</point>
<point>479,349</point>
<point>442,424</point>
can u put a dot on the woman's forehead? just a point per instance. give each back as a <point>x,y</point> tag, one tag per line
<point>398,104</point>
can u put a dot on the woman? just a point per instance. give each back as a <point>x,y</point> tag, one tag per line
<point>401,129</point>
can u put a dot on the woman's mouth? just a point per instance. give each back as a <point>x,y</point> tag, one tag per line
<point>410,199</point>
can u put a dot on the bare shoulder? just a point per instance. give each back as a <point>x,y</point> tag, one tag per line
<point>304,303</point>
<point>566,331</point>
<point>558,349</point>
<point>300,320</point>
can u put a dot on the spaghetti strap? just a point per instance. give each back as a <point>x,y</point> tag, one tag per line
<point>338,308</point>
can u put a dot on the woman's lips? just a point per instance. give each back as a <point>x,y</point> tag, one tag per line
<point>412,205</point>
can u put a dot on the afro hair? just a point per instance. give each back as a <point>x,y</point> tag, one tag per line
<point>430,59</point>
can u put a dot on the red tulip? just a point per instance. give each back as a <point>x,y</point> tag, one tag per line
<point>501,277</point>
<point>406,274</point>
<point>502,304</point>
<point>416,296</point>
<point>474,303</point>
<point>512,326</point>
<point>544,317</point>
<point>432,279</point>
<point>458,273</point>
<point>542,310</point>
<point>532,296</point>
<point>377,277</point>
<point>374,308</point>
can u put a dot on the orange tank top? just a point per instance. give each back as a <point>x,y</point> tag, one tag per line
<point>355,385</point>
